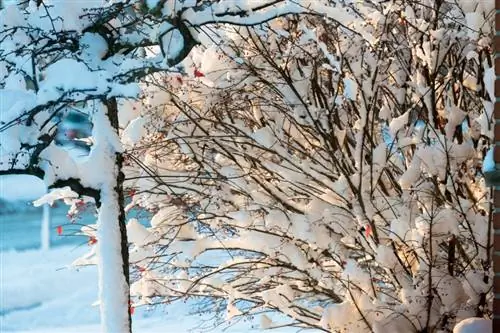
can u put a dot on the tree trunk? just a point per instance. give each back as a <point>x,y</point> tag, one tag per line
<point>114,291</point>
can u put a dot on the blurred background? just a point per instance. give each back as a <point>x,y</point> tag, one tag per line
<point>38,289</point>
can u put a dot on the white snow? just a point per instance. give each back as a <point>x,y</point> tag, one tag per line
<point>40,293</point>
<point>112,284</point>
<point>350,89</point>
<point>134,131</point>
<point>38,290</point>
<point>137,233</point>
<point>93,45</point>
<point>56,80</point>
<point>489,81</point>
<point>474,22</point>
<point>56,194</point>
<point>474,325</point>
<point>172,43</point>
<point>398,123</point>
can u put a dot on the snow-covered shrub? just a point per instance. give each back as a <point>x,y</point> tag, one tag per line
<point>324,166</point>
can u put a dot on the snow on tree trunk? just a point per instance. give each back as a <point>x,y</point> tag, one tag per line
<point>113,282</point>
<point>111,236</point>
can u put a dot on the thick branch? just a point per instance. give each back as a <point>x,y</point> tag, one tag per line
<point>76,186</point>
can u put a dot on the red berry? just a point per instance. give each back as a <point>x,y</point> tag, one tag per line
<point>131,308</point>
<point>368,230</point>
<point>197,73</point>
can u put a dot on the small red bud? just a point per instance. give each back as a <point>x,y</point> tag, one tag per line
<point>368,230</point>
<point>131,308</point>
<point>197,73</point>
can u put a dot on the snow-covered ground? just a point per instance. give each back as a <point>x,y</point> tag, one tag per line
<point>38,290</point>
<point>40,293</point>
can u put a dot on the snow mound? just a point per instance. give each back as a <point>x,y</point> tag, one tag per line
<point>474,325</point>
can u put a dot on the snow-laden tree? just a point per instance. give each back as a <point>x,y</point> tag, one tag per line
<point>324,166</point>
<point>89,56</point>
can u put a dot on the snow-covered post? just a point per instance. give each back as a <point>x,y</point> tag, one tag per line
<point>45,229</point>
